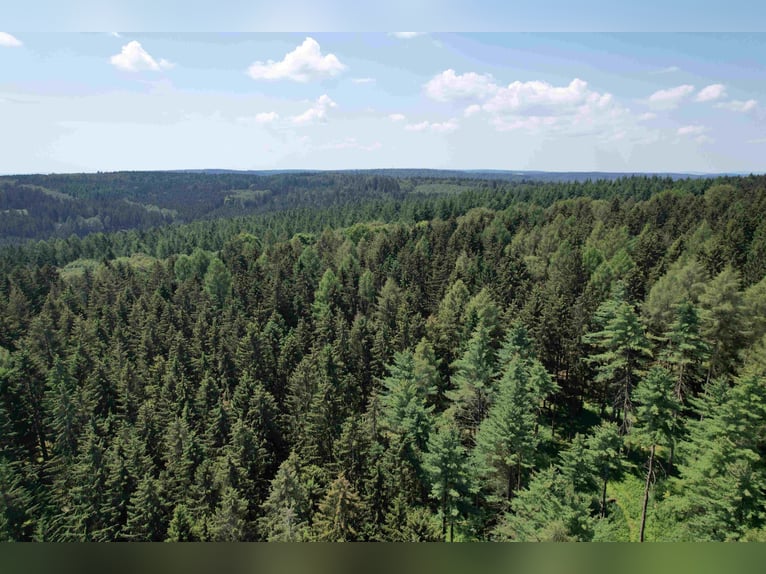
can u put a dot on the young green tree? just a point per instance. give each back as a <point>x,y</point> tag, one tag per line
<point>473,382</point>
<point>549,509</point>
<point>287,509</point>
<point>447,466</point>
<point>605,444</point>
<point>506,440</point>
<point>622,348</point>
<point>656,418</point>
<point>722,322</point>
<point>685,352</point>
<point>339,513</point>
<point>405,418</point>
<point>722,487</point>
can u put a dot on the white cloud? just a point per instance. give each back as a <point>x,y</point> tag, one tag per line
<point>317,112</point>
<point>472,110</point>
<point>449,86</point>
<point>703,139</point>
<point>738,105</point>
<point>437,127</point>
<point>363,80</point>
<point>115,34</point>
<point>8,41</point>
<point>543,99</point>
<point>397,117</point>
<point>692,130</point>
<point>757,141</point>
<point>133,58</point>
<point>647,116</point>
<point>710,93</point>
<point>670,98</point>
<point>303,64</point>
<point>536,106</point>
<point>266,117</point>
<point>406,35</point>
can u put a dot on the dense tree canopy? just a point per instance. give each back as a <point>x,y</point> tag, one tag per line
<point>381,356</point>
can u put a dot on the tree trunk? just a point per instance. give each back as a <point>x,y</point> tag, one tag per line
<point>603,498</point>
<point>646,493</point>
<point>444,516</point>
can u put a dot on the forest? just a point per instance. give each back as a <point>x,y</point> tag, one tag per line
<point>343,356</point>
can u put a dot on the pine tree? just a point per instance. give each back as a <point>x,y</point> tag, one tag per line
<point>287,508</point>
<point>446,465</point>
<point>686,351</point>
<point>722,487</point>
<point>181,527</point>
<point>656,418</point>
<point>722,323</point>
<point>548,510</point>
<point>229,522</point>
<point>623,350</point>
<point>605,444</point>
<point>506,440</point>
<point>146,512</point>
<point>339,513</point>
<point>405,417</point>
<point>473,382</point>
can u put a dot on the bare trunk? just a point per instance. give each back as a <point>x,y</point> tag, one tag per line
<point>603,498</point>
<point>646,494</point>
<point>444,516</point>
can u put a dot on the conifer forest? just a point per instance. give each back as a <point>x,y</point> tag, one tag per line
<point>390,355</point>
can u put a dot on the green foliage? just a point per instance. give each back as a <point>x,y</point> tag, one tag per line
<point>327,360</point>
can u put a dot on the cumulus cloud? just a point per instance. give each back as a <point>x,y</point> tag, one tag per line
<point>472,110</point>
<point>397,117</point>
<point>437,127</point>
<point>670,98</point>
<point>9,41</point>
<point>133,58</point>
<point>303,64</point>
<point>738,105</point>
<point>406,35</point>
<point>543,99</point>
<point>647,116</point>
<point>692,130</point>
<point>710,93</point>
<point>317,112</point>
<point>449,86</point>
<point>266,117</point>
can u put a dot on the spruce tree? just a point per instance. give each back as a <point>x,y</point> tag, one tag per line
<point>655,425</point>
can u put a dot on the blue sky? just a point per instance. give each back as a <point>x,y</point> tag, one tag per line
<point>508,100</point>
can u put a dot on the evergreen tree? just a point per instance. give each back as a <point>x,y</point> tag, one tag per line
<point>146,512</point>
<point>506,440</point>
<point>473,382</point>
<point>604,445</point>
<point>622,349</point>
<point>446,465</point>
<point>339,513</point>
<point>686,352</point>
<point>287,508</point>
<point>548,510</point>
<point>655,422</point>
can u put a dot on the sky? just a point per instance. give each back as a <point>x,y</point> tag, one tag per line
<point>554,101</point>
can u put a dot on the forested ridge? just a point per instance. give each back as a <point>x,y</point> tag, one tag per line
<point>366,357</point>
